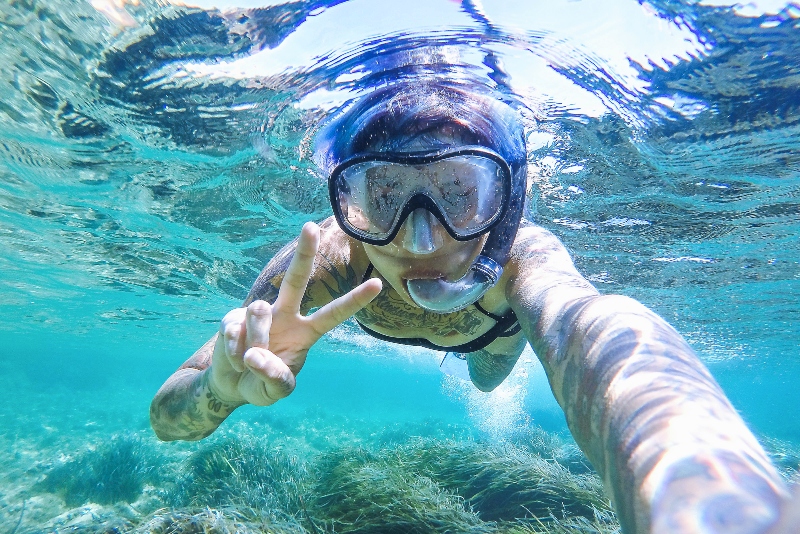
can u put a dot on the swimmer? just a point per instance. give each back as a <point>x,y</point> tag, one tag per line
<point>427,246</point>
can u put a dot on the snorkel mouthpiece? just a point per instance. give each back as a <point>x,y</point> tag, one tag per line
<point>441,296</point>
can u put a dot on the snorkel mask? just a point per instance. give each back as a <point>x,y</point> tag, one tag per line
<point>470,189</point>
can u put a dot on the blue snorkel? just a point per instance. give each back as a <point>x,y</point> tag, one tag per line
<point>394,117</point>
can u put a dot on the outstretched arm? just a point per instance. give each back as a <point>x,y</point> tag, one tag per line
<point>671,449</point>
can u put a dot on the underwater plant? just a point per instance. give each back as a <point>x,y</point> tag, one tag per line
<point>210,521</point>
<point>244,482</point>
<point>602,524</point>
<point>246,472</point>
<point>361,492</point>
<point>504,483</point>
<point>784,455</point>
<point>115,471</point>
<point>397,433</point>
<point>550,446</point>
<point>428,485</point>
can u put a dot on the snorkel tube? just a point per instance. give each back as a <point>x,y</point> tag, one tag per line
<point>441,296</point>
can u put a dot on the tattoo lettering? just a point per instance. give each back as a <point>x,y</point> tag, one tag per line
<point>179,413</point>
<point>391,313</point>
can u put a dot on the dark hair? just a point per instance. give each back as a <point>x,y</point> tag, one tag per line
<point>392,117</point>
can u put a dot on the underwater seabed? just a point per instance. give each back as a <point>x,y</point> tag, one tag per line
<point>79,457</point>
<point>326,474</point>
<point>244,480</point>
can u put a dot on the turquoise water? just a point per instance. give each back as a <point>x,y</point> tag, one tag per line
<point>149,169</point>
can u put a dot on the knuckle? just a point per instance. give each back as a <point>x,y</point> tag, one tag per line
<point>231,331</point>
<point>274,374</point>
<point>259,307</point>
<point>340,314</point>
<point>233,317</point>
<point>280,390</point>
<point>306,256</point>
<point>295,280</point>
<point>281,383</point>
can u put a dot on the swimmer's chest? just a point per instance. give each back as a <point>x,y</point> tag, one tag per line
<point>391,316</point>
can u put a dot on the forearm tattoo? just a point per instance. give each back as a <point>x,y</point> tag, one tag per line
<point>188,409</point>
<point>488,369</point>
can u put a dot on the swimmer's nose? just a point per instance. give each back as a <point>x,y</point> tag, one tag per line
<point>423,232</point>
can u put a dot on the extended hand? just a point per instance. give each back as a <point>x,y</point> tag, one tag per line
<point>261,348</point>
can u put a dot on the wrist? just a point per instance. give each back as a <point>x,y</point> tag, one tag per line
<point>217,400</point>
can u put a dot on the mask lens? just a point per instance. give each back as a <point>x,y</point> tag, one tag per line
<point>467,190</point>
<point>370,197</point>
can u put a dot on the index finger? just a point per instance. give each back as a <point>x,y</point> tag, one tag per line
<point>294,283</point>
<point>335,313</point>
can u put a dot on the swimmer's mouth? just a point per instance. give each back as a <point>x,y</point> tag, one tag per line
<point>417,276</point>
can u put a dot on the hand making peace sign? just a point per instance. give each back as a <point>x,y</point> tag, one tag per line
<point>261,348</point>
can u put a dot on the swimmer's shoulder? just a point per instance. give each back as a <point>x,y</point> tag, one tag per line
<point>539,262</point>
<point>339,250</point>
<point>534,246</point>
<point>337,265</point>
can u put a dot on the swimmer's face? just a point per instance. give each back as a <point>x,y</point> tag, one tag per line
<point>399,261</point>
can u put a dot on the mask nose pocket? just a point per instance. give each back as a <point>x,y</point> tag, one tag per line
<point>423,235</point>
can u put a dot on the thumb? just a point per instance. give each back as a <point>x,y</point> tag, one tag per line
<point>269,379</point>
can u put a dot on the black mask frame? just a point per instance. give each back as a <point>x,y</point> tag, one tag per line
<point>419,200</point>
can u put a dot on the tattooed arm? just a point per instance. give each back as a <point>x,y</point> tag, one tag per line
<point>673,453</point>
<point>259,349</point>
<point>185,407</point>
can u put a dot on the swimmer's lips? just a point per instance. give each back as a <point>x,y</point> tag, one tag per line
<point>423,273</point>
